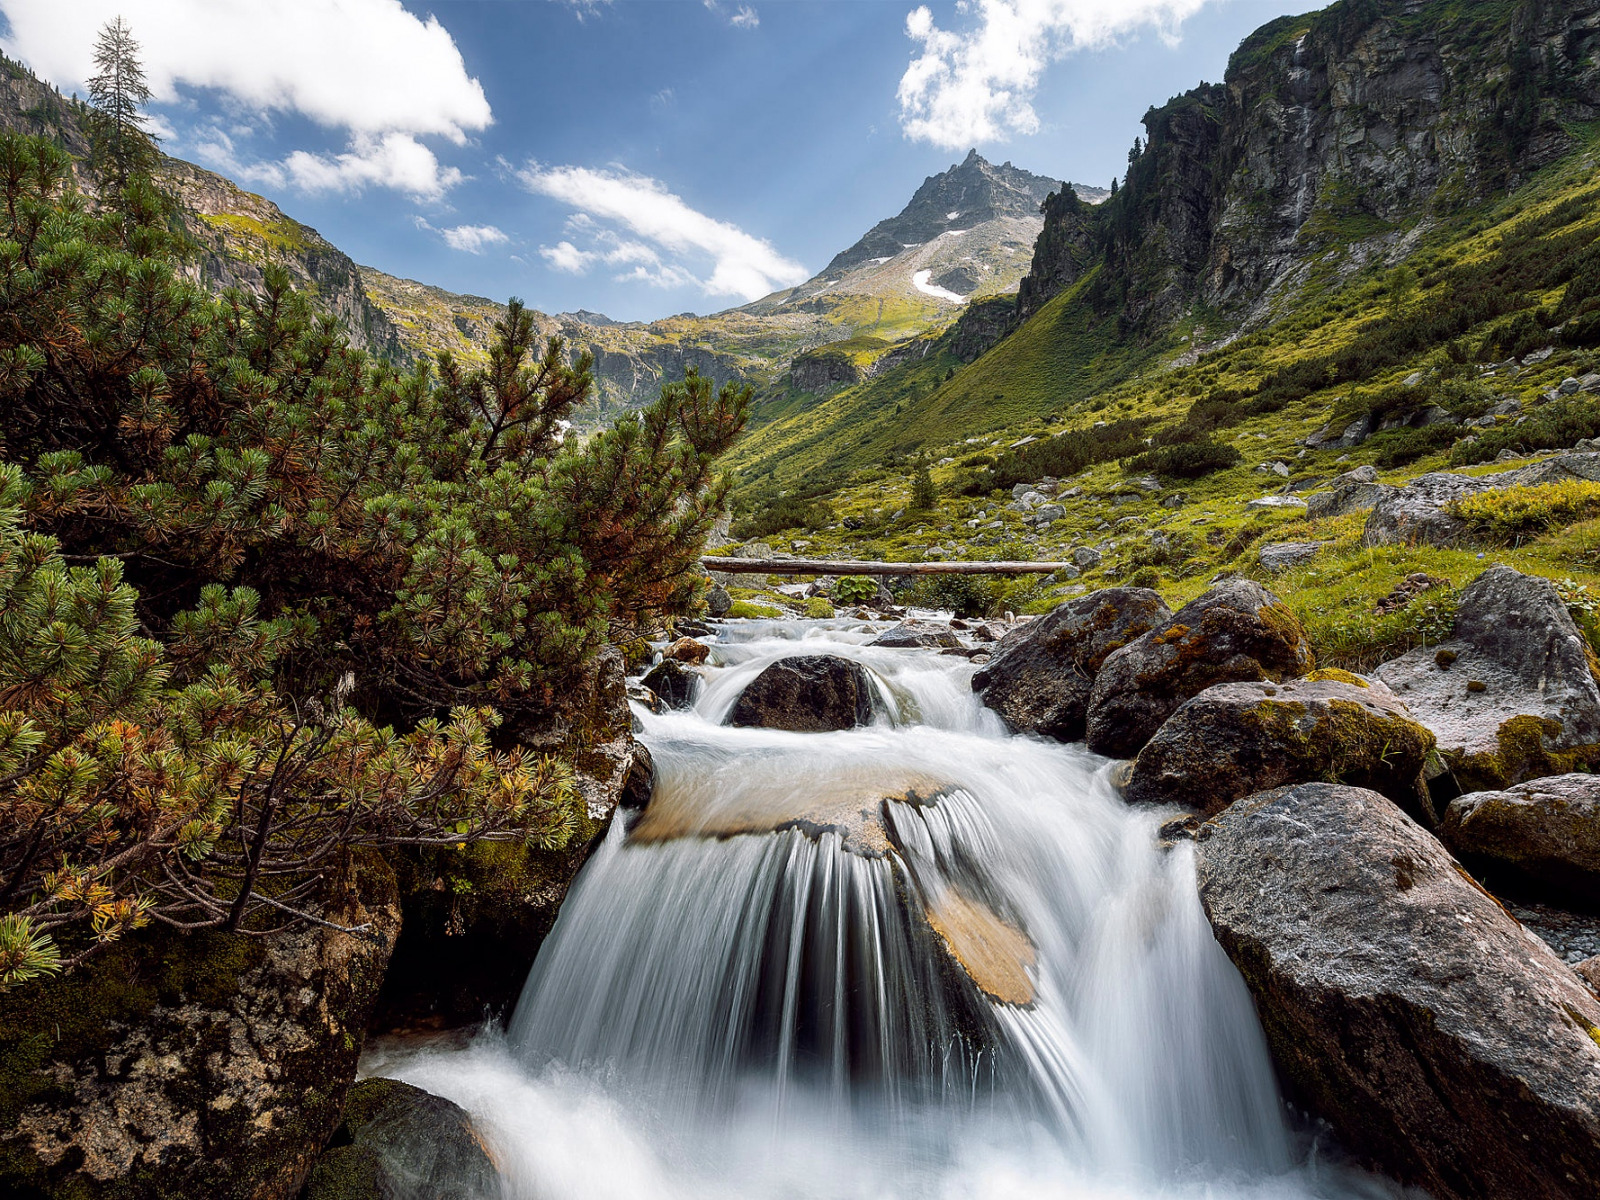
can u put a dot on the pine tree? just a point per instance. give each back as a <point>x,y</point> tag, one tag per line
<point>923,495</point>
<point>121,145</point>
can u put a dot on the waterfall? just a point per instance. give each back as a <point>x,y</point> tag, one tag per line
<point>923,958</point>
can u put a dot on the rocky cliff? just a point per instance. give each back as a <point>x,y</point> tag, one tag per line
<point>1336,133</point>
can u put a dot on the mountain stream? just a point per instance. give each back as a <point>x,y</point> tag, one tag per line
<point>921,960</point>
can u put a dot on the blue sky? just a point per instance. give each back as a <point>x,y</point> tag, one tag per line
<point>635,157</point>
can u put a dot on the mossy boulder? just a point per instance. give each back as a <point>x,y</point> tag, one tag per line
<point>1544,835</point>
<point>1444,1043</point>
<point>1236,739</point>
<point>209,1066</point>
<point>1513,694</point>
<point>398,1142</point>
<point>806,694</point>
<point>1237,632</point>
<point>1040,680</point>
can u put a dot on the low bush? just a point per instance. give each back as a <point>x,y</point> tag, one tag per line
<point>1556,426</point>
<point>1400,447</point>
<point>1187,460</point>
<point>1508,515</point>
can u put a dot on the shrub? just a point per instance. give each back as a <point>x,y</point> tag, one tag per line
<point>1399,447</point>
<point>1554,426</point>
<point>1145,577</point>
<point>1187,460</point>
<point>1510,514</point>
<point>781,513</point>
<point>855,589</point>
<point>964,595</point>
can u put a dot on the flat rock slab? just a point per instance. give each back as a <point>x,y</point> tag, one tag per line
<point>1443,1042</point>
<point>1512,695</point>
<point>1236,739</point>
<point>1040,680</point>
<point>806,694</point>
<point>1281,556</point>
<point>1236,632</point>
<point>917,635</point>
<point>1546,831</point>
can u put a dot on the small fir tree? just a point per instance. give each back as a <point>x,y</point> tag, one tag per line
<point>923,494</point>
<point>119,140</point>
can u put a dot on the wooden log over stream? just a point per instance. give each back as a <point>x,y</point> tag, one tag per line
<point>821,566</point>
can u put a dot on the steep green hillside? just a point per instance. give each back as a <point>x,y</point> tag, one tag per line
<point>1442,331</point>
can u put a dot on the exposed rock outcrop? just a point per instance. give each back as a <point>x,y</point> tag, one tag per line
<point>1443,1042</point>
<point>806,694</point>
<point>1236,739</point>
<point>1236,632</point>
<point>1040,680</point>
<point>205,1066</point>
<point>1512,695</point>
<point>915,635</point>
<point>398,1142</point>
<point>1545,833</point>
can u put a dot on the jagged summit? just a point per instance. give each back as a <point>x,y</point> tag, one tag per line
<point>969,193</point>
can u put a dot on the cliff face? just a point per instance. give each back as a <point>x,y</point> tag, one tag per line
<point>1334,132</point>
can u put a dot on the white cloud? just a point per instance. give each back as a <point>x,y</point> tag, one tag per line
<point>369,68</point>
<point>667,239</point>
<point>742,17</point>
<point>473,238</point>
<point>977,86</point>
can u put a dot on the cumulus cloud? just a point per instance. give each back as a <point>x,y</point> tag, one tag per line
<point>633,220</point>
<point>977,85</point>
<point>473,238</point>
<point>383,76</point>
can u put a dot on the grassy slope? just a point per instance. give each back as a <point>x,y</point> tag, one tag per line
<point>1060,374</point>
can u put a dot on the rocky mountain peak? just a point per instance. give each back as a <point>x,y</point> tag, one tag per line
<point>969,193</point>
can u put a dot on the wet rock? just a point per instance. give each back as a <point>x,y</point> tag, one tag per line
<point>1512,694</point>
<point>197,1065</point>
<point>640,783</point>
<point>1444,1043</point>
<point>1040,680</point>
<point>673,682</point>
<point>687,650</point>
<point>398,1142</point>
<point>1546,833</point>
<point>1236,632</point>
<point>1281,556</point>
<point>806,694</point>
<point>915,635</point>
<point>1236,739</point>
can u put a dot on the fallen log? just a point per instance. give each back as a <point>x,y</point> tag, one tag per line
<point>822,566</point>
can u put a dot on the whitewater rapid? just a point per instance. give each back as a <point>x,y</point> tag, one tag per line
<point>728,1011</point>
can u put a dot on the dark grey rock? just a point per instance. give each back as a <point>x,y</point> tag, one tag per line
<point>1236,739</point>
<point>1546,832</point>
<point>1444,1043</point>
<point>398,1142</point>
<point>806,694</point>
<point>917,635</point>
<point>718,602</point>
<point>1236,632</point>
<point>673,682</point>
<point>1347,498</point>
<point>1511,695</point>
<point>1041,678</point>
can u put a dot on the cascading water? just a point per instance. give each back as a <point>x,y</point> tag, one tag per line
<point>919,959</point>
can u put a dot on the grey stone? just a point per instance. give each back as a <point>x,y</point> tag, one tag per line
<point>1040,680</point>
<point>399,1141</point>
<point>1417,512</point>
<point>1086,558</point>
<point>1510,696</point>
<point>673,683</point>
<point>1235,632</point>
<point>1236,739</point>
<point>718,601</point>
<point>1444,1044</point>
<point>1546,832</point>
<point>806,694</point>
<point>913,635</point>
<point>1275,502</point>
<point>1280,556</point>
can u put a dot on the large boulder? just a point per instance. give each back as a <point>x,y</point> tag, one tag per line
<point>1236,632</point>
<point>204,1066</point>
<point>1236,739</point>
<point>917,635</point>
<point>1444,1043</point>
<point>1512,695</point>
<point>1545,833</point>
<point>1419,512</point>
<point>806,694</point>
<point>1040,680</point>
<point>1345,498</point>
<point>398,1142</point>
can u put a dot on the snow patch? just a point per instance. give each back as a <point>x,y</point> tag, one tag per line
<point>920,282</point>
<point>954,232</point>
<point>951,216</point>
